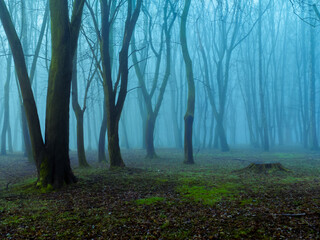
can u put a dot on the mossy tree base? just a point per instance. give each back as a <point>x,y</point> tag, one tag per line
<point>264,168</point>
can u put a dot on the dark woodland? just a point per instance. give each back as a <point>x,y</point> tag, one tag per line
<point>159,119</point>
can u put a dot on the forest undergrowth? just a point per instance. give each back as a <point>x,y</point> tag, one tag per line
<point>165,199</point>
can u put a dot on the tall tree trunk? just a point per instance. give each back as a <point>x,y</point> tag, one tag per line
<point>313,130</point>
<point>52,158</point>
<point>113,144</point>
<point>222,136</point>
<point>102,157</point>
<point>25,45</point>
<point>10,139</point>
<point>89,132</point>
<point>125,134</point>
<point>174,112</point>
<point>265,135</point>
<point>189,116</point>
<point>25,134</point>
<point>211,133</point>
<point>6,117</point>
<point>79,117</point>
<point>149,137</point>
<point>80,141</point>
<point>114,97</point>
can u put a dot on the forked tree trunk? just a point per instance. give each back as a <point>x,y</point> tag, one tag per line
<point>115,98</point>
<point>153,109</point>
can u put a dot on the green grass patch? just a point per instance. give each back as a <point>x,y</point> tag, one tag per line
<point>248,201</point>
<point>292,179</point>
<point>149,200</point>
<point>209,195</point>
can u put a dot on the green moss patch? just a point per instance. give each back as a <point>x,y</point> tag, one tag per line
<point>208,195</point>
<point>149,200</point>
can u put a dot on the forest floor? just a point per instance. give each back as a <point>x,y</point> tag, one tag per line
<point>165,199</point>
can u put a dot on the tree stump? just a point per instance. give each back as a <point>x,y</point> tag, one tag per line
<point>264,168</point>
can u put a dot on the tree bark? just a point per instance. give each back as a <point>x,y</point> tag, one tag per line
<point>26,135</point>
<point>189,116</point>
<point>149,137</point>
<point>52,157</point>
<point>102,157</point>
<point>25,45</point>
<point>79,116</point>
<point>80,141</point>
<point>113,144</point>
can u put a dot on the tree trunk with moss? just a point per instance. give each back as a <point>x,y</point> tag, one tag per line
<point>64,38</point>
<point>189,116</point>
<point>51,156</point>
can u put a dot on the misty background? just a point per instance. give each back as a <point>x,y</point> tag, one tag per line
<point>256,62</point>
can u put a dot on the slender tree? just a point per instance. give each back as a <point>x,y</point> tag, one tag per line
<point>115,90</point>
<point>189,116</point>
<point>6,120</point>
<point>265,135</point>
<point>79,112</point>
<point>153,110</point>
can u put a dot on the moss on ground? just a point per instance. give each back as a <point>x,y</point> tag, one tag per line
<point>149,200</point>
<point>209,195</point>
<point>168,200</point>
